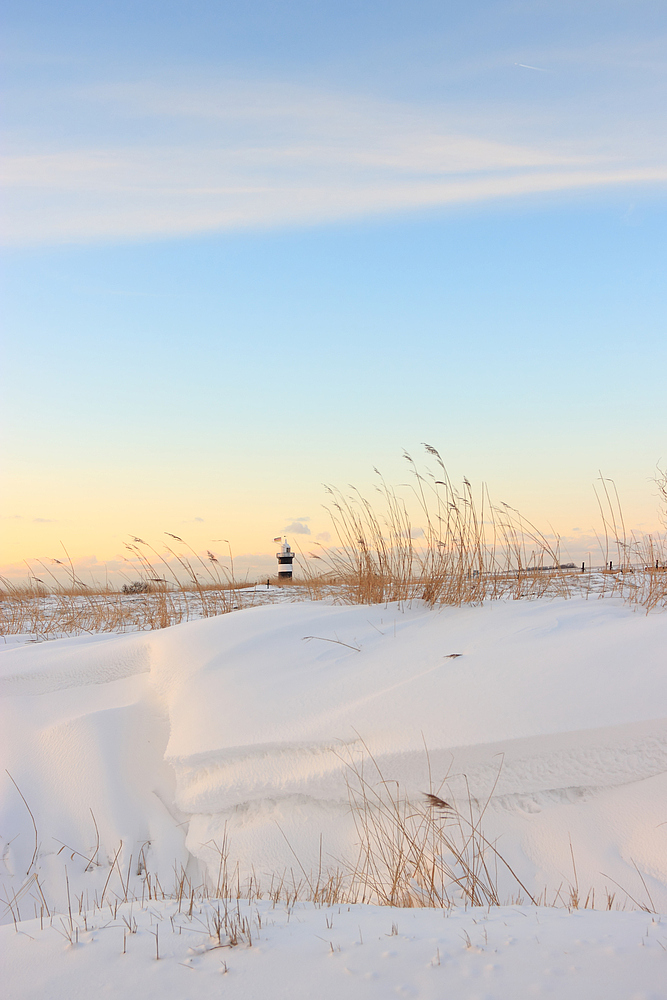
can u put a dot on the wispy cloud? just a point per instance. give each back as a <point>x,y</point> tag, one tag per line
<point>234,156</point>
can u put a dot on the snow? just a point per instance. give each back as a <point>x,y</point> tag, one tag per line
<point>364,952</point>
<point>249,733</point>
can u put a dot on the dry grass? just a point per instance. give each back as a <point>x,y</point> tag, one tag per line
<point>429,853</point>
<point>426,853</point>
<point>471,549</point>
<point>165,589</point>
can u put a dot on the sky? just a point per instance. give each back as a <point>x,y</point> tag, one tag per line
<point>251,249</point>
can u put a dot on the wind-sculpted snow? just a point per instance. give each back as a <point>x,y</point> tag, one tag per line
<point>251,730</point>
<point>73,662</point>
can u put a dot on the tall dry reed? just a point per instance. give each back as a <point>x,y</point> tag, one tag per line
<point>168,588</point>
<point>468,549</point>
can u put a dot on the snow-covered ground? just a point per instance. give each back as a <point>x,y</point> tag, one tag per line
<point>152,759</point>
<point>356,952</point>
<point>26,617</point>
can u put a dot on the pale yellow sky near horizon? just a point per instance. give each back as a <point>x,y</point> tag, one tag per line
<point>94,526</point>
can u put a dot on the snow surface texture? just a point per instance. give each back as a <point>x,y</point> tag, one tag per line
<point>357,952</point>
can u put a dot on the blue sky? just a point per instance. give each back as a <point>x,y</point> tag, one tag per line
<point>254,248</point>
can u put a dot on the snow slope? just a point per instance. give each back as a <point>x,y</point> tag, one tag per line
<point>240,728</point>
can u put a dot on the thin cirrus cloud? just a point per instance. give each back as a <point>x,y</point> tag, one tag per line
<point>166,161</point>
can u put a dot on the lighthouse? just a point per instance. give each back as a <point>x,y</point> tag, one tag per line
<point>285,558</point>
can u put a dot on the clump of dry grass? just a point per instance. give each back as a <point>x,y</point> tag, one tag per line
<point>426,853</point>
<point>171,588</point>
<point>470,550</point>
<point>635,566</point>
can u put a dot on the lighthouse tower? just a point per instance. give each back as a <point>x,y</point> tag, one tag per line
<point>285,558</point>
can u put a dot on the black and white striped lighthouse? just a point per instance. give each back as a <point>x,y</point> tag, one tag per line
<point>285,558</point>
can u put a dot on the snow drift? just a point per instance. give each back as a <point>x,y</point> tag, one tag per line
<point>241,729</point>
